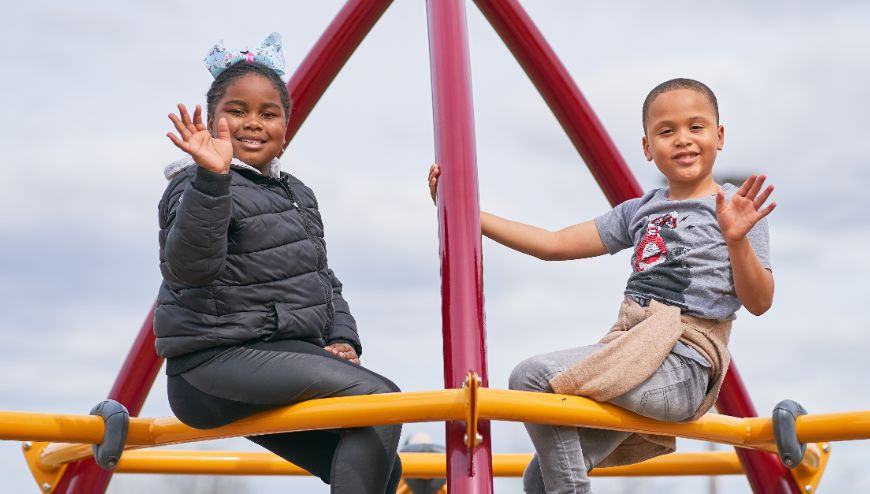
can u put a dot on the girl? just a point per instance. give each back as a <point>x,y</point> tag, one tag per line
<point>250,317</point>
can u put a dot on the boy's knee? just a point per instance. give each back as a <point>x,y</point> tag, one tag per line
<point>530,375</point>
<point>384,385</point>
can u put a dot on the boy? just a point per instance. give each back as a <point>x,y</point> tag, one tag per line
<point>700,252</point>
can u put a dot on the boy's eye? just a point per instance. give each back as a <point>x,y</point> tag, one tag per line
<point>234,112</point>
<point>269,115</point>
<point>697,127</point>
<point>665,132</point>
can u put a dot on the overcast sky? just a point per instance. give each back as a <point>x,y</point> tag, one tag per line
<point>87,86</point>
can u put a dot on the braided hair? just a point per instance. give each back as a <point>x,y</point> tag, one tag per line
<point>236,72</point>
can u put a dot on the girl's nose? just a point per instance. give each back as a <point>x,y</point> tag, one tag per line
<point>253,122</point>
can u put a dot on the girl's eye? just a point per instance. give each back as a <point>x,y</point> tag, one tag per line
<point>269,115</point>
<point>235,112</point>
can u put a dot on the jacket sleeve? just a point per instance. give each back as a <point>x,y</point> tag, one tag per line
<point>194,220</point>
<point>343,324</point>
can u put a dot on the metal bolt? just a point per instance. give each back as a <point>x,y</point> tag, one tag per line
<point>826,448</point>
<point>808,488</point>
<point>465,383</point>
<point>788,462</point>
<point>465,438</point>
<point>46,487</point>
<point>27,445</point>
<point>479,438</point>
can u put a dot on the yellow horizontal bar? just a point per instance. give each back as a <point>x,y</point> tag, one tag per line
<point>424,406</point>
<point>414,465</point>
<point>326,413</point>
<point>26,426</point>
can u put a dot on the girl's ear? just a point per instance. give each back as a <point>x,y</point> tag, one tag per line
<point>208,122</point>
<point>646,152</point>
<point>721,135</point>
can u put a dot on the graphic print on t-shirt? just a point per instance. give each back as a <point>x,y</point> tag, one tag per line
<point>659,271</point>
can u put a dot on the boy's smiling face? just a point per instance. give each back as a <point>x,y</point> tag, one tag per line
<point>252,107</point>
<point>683,138</point>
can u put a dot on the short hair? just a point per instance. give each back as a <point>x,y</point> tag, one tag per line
<point>236,72</point>
<point>673,85</point>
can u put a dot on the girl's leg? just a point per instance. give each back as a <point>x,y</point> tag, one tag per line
<point>270,374</point>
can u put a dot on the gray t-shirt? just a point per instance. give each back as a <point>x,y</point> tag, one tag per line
<point>680,257</point>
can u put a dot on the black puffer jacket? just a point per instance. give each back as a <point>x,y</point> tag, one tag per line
<point>243,258</point>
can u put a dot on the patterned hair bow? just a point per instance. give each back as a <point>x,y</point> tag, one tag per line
<point>268,53</point>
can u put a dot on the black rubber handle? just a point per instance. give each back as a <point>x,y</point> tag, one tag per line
<point>785,415</point>
<point>117,421</point>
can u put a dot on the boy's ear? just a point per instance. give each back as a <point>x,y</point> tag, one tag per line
<point>646,152</point>
<point>721,134</point>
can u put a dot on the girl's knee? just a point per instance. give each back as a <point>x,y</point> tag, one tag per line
<point>531,374</point>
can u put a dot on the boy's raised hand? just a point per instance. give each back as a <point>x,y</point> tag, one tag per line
<point>434,173</point>
<point>744,210</point>
<point>212,153</point>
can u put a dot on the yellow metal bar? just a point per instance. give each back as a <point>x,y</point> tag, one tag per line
<point>25,426</point>
<point>326,413</point>
<point>414,465</point>
<point>426,406</point>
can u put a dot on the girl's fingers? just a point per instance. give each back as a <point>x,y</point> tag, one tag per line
<point>180,127</point>
<point>185,117</point>
<point>178,142</point>
<point>197,118</point>
<point>223,130</point>
<point>766,211</point>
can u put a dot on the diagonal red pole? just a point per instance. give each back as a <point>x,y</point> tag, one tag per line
<point>332,50</point>
<point>764,471</point>
<point>459,231</point>
<point>131,387</point>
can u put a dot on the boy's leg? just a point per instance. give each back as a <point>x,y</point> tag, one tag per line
<point>271,374</point>
<point>559,465</point>
<point>673,393</point>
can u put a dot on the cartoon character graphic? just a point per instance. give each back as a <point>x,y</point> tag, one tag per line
<point>651,250</point>
<point>661,248</point>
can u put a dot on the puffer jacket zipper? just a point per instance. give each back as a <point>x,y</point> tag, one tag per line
<point>321,256</point>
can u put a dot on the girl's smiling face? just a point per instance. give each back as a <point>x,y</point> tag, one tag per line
<point>258,124</point>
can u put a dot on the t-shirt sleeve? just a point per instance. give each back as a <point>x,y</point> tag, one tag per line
<point>614,226</point>
<point>759,238</point>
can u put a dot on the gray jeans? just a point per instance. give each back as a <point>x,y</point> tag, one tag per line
<point>564,455</point>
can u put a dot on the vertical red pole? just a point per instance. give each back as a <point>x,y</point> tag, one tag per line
<point>765,473</point>
<point>459,231</point>
<point>131,387</point>
<point>335,46</point>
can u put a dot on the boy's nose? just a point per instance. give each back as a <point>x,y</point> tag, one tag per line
<point>253,122</point>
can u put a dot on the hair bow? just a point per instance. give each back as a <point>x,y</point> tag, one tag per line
<point>268,53</point>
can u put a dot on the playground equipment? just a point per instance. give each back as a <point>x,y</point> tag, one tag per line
<point>59,448</point>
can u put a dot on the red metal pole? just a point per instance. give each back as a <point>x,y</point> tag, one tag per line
<point>131,387</point>
<point>459,231</point>
<point>335,46</point>
<point>765,473</point>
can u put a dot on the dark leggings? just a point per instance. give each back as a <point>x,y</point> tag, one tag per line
<point>263,376</point>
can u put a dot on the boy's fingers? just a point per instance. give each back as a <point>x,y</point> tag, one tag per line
<point>747,184</point>
<point>756,186</point>
<point>766,211</point>
<point>761,199</point>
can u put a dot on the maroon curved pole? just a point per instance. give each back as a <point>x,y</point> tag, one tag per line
<point>765,473</point>
<point>459,232</point>
<point>332,50</point>
<point>131,387</point>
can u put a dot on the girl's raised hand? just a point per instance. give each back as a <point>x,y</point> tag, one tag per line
<point>744,210</point>
<point>212,153</point>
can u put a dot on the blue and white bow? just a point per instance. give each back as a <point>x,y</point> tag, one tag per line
<point>268,53</point>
